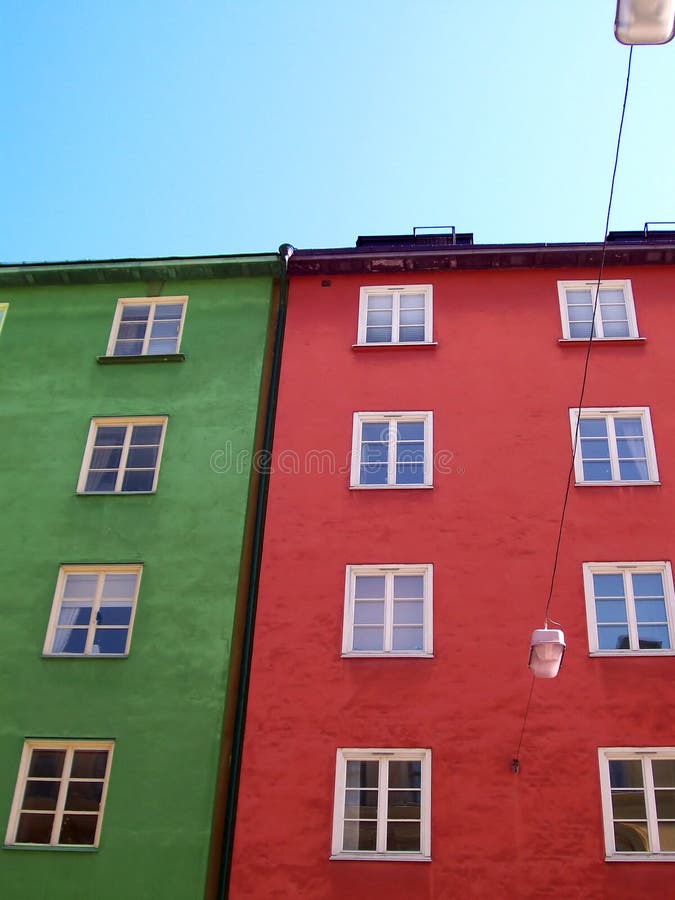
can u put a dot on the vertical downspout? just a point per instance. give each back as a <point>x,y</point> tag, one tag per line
<point>285,253</point>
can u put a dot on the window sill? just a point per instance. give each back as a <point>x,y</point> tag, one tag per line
<point>114,493</point>
<point>141,358</point>
<point>615,341</point>
<point>641,857</point>
<point>617,483</point>
<point>386,654</point>
<point>392,345</point>
<point>59,848</point>
<point>615,654</point>
<point>85,655</point>
<point>382,857</point>
<point>389,487</point>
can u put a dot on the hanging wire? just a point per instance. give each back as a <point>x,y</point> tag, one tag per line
<point>516,764</point>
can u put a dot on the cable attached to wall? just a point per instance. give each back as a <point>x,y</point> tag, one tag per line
<point>515,763</point>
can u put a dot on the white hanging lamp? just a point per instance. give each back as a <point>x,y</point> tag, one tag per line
<point>644,21</point>
<point>547,649</point>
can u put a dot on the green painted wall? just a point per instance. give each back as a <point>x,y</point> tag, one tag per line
<point>164,704</point>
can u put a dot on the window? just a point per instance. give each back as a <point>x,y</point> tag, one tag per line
<point>614,446</point>
<point>388,611</point>
<point>638,802</point>
<point>382,804</point>
<point>3,312</point>
<point>392,449</point>
<point>144,327</point>
<point>614,314</point>
<point>398,315</point>
<point>60,793</point>
<point>122,456</point>
<point>93,611</point>
<point>629,607</point>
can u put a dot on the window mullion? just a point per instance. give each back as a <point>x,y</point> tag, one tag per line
<point>391,461</point>
<point>650,803</point>
<point>148,328</point>
<point>61,800</point>
<point>613,449</point>
<point>91,631</point>
<point>631,612</point>
<point>382,800</point>
<point>388,610</point>
<point>395,316</point>
<point>597,319</point>
<point>123,458</point>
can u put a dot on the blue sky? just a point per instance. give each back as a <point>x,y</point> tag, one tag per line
<point>140,129</point>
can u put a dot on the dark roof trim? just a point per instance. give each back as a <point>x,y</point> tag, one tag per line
<point>115,271</point>
<point>486,256</point>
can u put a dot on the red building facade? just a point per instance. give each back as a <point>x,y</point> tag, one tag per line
<point>423,438</point>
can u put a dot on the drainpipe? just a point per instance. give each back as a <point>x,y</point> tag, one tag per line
<point>285,253</point>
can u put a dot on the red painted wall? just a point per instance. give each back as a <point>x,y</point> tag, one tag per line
<point>500,386</point>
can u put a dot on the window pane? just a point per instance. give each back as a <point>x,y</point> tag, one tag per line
<point>373,474</point>
<point>411,301</point>
<point>78,829</point>
<point>610,611</point>
<point>122,585</point>
<point>142,457</point>
<point>633,470</point>
<point>411,333</point>
<point>408,638</point>
<point>630,448</point>
<point>629,805</point>
<point>138,481</point>
<point>164,329</point>
<point>616,329</point>
<point>40,794</point>
<point>128,348</point>
<point>34,828</point>
<point>360,836</point>
<point>380,301</point>
<point>108,458</point>
<point>84,795</point>
<point>410,473</point>
<point>653,637</point>
<point>114,614</point>
<point>647,584</point>
<point>412,317</point>
<point>594,448</point>
<point>628,427</point>
<point>131,330</point>
<point>408,612</point>
<point>403,836</point>
<point>46,763</point>
<point>592,428</point>
<point>110,640</point>
<point>625,773</point>
<point>374,453</point>
<point>69,640</point>
<point>650,610</point>
<point>379,317</point>
<point>360,804</point>
<point>89,764</point>
<point>77,586</point>
<point>369,613</point>
<point>73,613</point>
<point>580,329</point>
<point>667,836</point>
<point>409,586</point>
<point>369,587</point>
<point>597,471</point>
<point>135,311</point>
<point>146,434</point>
<point>580,313</point>
<point>663,771</point>
<point>405,773</point>
<point>411,451</point>
<point>101,482</point>
<point>404,804</point>
<point>410,431</point>
<point>168,311</point>
<point>665,804</point>
<point>613,637</point>
<point>375,431</point>
<point>579,296</point>
<point>162,345</point>
<point>608,585</point>
<point>362,773</point>
<point>366,638</point>
<point>110,435</point>
<point>631,837</point>
<point>378,335</point>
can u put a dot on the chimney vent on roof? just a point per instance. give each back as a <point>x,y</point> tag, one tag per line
<point>415,241</point>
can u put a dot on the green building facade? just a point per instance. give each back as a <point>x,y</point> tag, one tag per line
<point>129,428</point>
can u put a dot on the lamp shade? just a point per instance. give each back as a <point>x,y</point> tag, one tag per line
<point>644,21</point>
<point>546,652</point>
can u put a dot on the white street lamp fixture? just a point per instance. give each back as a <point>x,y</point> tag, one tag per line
<point>644,21</point>
<point>547,648</point>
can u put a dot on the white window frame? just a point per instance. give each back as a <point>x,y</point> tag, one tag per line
<point>100,571</point>
<point>393,418</point>
<point>129,422</point>
<point>623,284</point>
<point>152,302</point>
<point>610,414</point>
<point>645,754</point>
<point>383,756</point>
<point>3,314</point>
<point>70,747</point>
<point>626,569</point>
<point>396,291</point>
<point>388,571</point>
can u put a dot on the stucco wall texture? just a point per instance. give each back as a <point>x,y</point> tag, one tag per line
<point>164,704</point>
<point>500,386</point>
